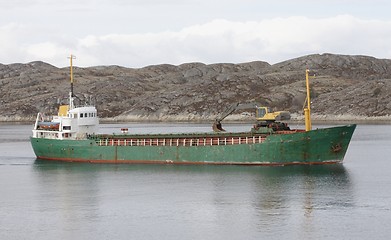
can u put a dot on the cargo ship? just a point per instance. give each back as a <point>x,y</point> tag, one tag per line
<point>73,136</point>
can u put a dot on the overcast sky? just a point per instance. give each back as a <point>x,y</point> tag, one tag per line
<point>137,33</point>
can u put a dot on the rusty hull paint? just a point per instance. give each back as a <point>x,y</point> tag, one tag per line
<point>168,162</point>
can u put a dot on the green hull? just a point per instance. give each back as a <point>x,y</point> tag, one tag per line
<point>321,146</point>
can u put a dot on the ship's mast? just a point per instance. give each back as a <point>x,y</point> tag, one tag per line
<point>307,111</point>
<point>71,95</point>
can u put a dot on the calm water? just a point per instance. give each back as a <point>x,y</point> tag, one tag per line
<point>50,200</point>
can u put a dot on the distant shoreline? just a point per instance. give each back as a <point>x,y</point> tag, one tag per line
<point>296,119</point>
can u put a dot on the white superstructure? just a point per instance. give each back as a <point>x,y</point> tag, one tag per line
<point>72,122</point>
<point>76,123</point>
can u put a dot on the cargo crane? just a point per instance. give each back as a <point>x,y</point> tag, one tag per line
<point>263,115</point>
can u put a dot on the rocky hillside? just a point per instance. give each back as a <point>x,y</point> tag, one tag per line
<point>346,87</point>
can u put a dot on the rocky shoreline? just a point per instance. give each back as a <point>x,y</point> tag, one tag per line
<point>235,118</point>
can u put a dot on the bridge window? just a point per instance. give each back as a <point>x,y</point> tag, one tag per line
<point>261,112</point>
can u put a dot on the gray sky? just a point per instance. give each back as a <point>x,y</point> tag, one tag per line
<point>137,33</point>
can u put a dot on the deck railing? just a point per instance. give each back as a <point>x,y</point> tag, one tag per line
<point>207,141</point>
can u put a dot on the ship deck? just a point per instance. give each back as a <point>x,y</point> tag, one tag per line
<point>183,139</point>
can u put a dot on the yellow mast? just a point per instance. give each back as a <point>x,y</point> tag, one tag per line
<point>71,95</point>
<point>71,70</point>
<point>307,111</point>
<point>71,57</point>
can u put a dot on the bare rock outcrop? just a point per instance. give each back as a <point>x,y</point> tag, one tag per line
<point>354,86</point>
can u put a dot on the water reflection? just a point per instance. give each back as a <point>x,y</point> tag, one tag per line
<point>294,196</point>
<point>211,197</point>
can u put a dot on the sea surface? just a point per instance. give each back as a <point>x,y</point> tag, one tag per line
<point>54,200</point>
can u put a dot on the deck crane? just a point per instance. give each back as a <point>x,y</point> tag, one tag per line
<point>264,116</point>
